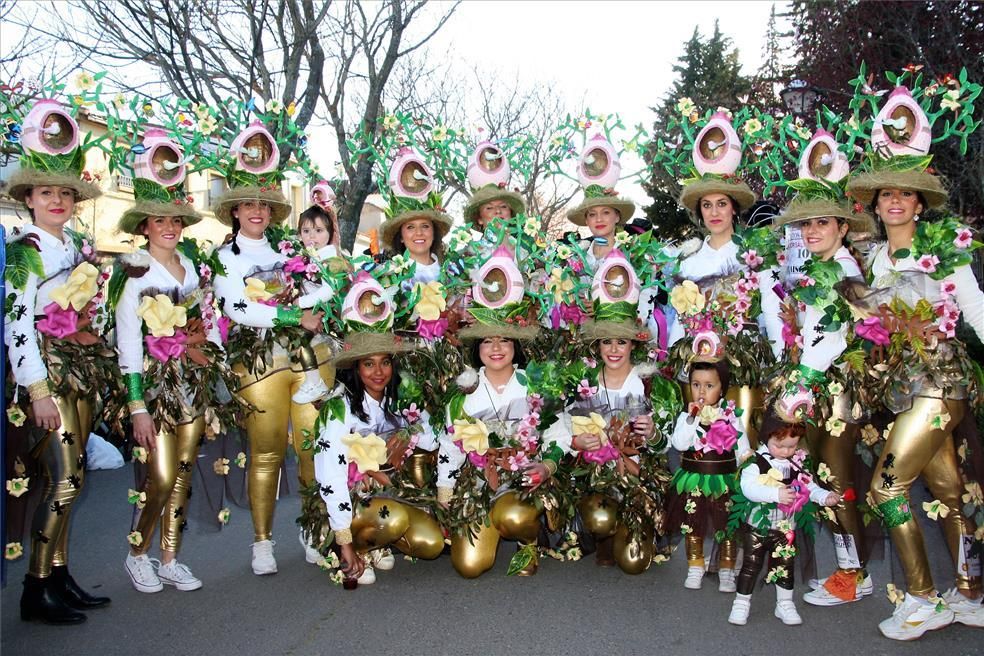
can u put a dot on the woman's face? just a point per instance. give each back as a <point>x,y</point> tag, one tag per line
<point>496,353</point>
<point>494,209</point>
<point>823,236</point>
<point>163,232</point>
<point>601,220</point>
<point>615,354</point>
<point>52,207</point>
<point>897,207</point>
<point>418,237</point>
<point>718,214</point>
<point>376,372</point>
<point>254,217</point>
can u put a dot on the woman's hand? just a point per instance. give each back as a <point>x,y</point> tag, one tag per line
<point>786,495</point>
<point>312,321</point>
<point>352,565</point>
<point>586,442</point>
<point>535,475</point>
<point>45,413</point>
<point>643,426</point>
<point>144,431</point>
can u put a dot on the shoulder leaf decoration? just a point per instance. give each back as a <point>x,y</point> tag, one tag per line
<point>23,259</point>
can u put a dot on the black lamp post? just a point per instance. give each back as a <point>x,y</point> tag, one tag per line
<point>799,97</point>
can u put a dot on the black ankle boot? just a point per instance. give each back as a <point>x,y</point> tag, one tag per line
<point>40,601</point>
<point>71,593</point>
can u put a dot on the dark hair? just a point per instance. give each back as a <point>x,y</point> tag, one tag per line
<point>721,367</point>
<point>519,356</point>
<point>773,426</point>
<point>312,214</point>
<point>734,209</point>
<point>235,233</point>
<point>355,390</point>
<point>437,247</point>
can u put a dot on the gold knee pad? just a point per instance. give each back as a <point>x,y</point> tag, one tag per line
<point>423,538</point>
<point>633,555</point>
<point>379,523</point>
<point>515,519</point>
<point>472,556</point>
<point>599,513</point>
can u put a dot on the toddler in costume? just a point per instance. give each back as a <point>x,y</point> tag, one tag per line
<point>776,497</point>
<point>316,230</point>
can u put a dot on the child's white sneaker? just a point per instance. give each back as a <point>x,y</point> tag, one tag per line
<point>695,578</point>
<point>726,580</point>
<point>785,608</point>
<point>382,559</point>
<point>368,576</point>
<point>740,609</point>
<point>310,391</point>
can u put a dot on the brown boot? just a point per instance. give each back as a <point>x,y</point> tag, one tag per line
<point>605,554</point>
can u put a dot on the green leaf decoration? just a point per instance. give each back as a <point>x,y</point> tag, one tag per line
<point>23,259</point>
<point>72,162</point>
<point>115,286</point>
<point>619,311</point>
<point>144,189</point>
<point>521,559</point>
<point>336,408</point>
<point>902,163</point>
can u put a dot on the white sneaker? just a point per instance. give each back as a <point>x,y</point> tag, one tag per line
<point>726,580</point>
<point>310,392</point>
<point>382,559</point>
<point>263,560</point>
<point>368,576</point>
<point>821,596</point>
<point>914,617</point>
<point>740,609</point>
<point>695,578</point>
<point>311,555</point>
<point>786,611</point>
<point>142,574</point>
<point>865,588</point>
<point>178,575</point>
<point>966,611</point>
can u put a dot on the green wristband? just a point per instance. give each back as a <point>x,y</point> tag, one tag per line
<point>287,316</point>
<point>134,387</point>
<point>553,454</point>
<point>810,377</point>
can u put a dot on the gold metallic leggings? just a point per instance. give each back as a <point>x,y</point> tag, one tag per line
<point>600,516</point>
<point>727,551</point>
<point>168,484</point>
<point>838,454</point>
<point>382,522</point>
<point>267,432</point>
<point>510,518</point>
<point>914,448</point>
<point>61,455</point>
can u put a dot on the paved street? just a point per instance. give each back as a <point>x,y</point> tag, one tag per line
<point>425,608</point>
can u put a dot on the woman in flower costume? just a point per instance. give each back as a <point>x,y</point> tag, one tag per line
<point>266,327</point>
<point>921,283</point>
<point>170,354</point>
<point>493,454</point>
<point>611,426</point>
<point>366,440</point>
<point>488,173</point>
<point>823,386</point>
<point>735,269</point>
<point>55,339</point>
<point>417,223</point>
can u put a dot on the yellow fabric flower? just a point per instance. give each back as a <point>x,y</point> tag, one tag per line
<point>773,478</point>
<point>709,414</point>
<point>686,298</point>
<point>13,550</point>
<point>256,290</point>
<point>135,538</point>
<point>161,315</point>
<point>140,454</point>
<point>935,509</point>
<point>559,284</point>
<point>432,301</point>
<point>17,486</point>
<point>368,452</point>
<point>593,424</point>
<point>474,436</point>
<point>835,426</point>
<point>224,516</point>
<point>895,595</point>
<point>221,466</point>
<point>78,289</point>
<point>974,494</point>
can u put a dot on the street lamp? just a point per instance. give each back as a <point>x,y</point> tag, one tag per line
<point>799,97</point>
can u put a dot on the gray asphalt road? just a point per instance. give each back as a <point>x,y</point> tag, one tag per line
<point>425,608</point>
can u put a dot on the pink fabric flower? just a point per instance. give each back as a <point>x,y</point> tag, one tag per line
<point>223,324</point>
<point>566,314</point>
<point>798,486</point>
<point>535,402</point>
<point>927,263</point>
<point>295,264</point>
<point>872,330</point>
<point>605,454</point>
<point>354,476</point>
<point>575,265</point>
<point>165,348</point>
<point>433,329</point>
<point>948,288</point>
<point>58,323</point>
<point>964,238</point>
<point>720,437</point>
<point>477,460</point>
<point>412,414</point>
<point>285,247</point>
<point>585,390</point>
<point>788,336</point>
<point>752,259</point>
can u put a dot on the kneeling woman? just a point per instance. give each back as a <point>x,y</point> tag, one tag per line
<point>364,433</point>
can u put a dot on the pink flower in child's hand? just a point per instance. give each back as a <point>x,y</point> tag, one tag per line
<point>296,264</point>
<point>802,496</point>
<point>752,259</point>
<point>58,323</point>
<point>872,330</point>
<point>223,324</point>
<point>964,238</point>
<point>720,437</point>
<point>927,263</point>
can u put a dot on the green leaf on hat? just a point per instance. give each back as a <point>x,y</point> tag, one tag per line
<point>144,189</point>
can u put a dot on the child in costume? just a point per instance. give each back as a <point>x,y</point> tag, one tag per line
<point>775,491</point>
<point>709,436</point>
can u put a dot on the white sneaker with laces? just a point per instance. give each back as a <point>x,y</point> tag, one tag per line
<point>695,578</point>
<point>142,574</point>
<point>740,609</point>
<point>368,576</point>
<point>726,580</point>
<point>966,611</point>
<point>866,587</point>
<point>822,596</point>
<point>311,554</point>
<point>383,559</point>
<point>263,560</point>
<point>310,391</point>
<point>178,575</point>
<point>914,617</point>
